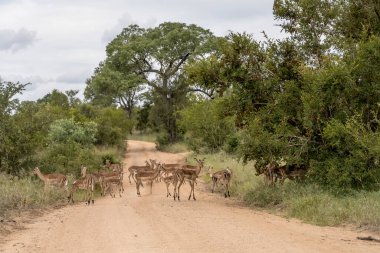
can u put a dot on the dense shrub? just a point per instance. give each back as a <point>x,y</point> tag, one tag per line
<point>70,144</point>
<point>113,126</point>
<point>205,125</point>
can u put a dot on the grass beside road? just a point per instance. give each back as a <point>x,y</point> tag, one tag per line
<point>18,194</point>
<point>307,202</point>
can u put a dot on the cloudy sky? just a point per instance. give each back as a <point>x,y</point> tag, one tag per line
<point>58,43</point>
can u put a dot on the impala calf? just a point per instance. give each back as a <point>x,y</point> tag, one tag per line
<point>174,177</point>
<point>109,185</point>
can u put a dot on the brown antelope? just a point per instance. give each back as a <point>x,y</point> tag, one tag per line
<point>98,177</point>
<point>114,178</point>
<point>295,171</point>
<point>272,172</point>
<point>108,185</point>
<point>174,177</point>
<point>222,176</point>
<point>87,182</point>
<point>112,166</point>
<point>55,179</point>
<point>190,174</point>
<point>134,169</point>
<point>146,175</point>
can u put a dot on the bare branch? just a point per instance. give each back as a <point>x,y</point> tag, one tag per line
<point>176,67</point>
<point>209,94</point>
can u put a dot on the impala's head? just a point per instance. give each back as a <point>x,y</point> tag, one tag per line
<point>160,167</point>
<point>200,162</point>
<point>36,170</point>
<point>153,161</point>
<point>147,163</point>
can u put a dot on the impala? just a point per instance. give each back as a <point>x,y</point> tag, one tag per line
<point>87,183</point>
<point>222,176</point>
<point>272,172</point>
<point>146,175</point>
<point>108,185</point>
<point>174,177</point>
<point>134,169</point>
<point>105,179</point>
<point>294,171</point>
<point>112,166</point>
<point>55,179</point>
<point>190,173</point>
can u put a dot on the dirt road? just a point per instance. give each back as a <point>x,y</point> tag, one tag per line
<point>154,223</point>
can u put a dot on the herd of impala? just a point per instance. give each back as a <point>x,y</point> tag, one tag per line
<point>111,178</point>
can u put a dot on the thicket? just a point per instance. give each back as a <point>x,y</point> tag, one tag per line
<point>57,133</point>
<point>311,98</point>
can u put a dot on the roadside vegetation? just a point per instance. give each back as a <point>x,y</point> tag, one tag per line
<point>24,193</point>
<point>58,134</point>
<point>309,202</point>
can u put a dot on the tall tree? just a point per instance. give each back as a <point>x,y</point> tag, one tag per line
<point>107,87</point>
<point>359,19</point>
<point>10,132</point>
<point>157,56</point>
<point>310,23</point>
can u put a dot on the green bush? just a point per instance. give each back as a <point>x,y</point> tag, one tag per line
<point>162,140</point>
<point>113,126</point>
<point>70,145</point>
<point>206,125</point>
<point>351,157</point>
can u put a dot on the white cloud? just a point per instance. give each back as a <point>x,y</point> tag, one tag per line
<point>124,21</point>
<point>16,40</point>
<point>72,34</point>
<point>77,76</point>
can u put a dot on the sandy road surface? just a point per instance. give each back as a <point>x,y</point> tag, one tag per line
<point>153,223</point>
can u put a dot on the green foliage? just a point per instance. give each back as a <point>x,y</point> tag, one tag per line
<point>65,131</point>
<point>113,126</point>
<point>55,98</point>
<point>13,146</point>
<point>162,140</point>
<point>70,145</point>
<point>351,158</point>
<point>109,87</point>
<point>205,125</point>
<point>358,20</point>
<point>310,23</point>
<point>143,117</point>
